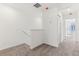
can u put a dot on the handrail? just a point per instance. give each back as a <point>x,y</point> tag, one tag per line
<point>26,33</point>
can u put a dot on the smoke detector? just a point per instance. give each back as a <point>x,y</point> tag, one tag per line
<point>37,5</point>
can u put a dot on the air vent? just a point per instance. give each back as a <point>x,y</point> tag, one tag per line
<point>37,5</point>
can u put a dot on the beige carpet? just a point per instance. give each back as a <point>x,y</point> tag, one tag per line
<point>67,48</point>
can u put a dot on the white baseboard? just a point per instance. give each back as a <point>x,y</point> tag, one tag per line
<point>54,45</point>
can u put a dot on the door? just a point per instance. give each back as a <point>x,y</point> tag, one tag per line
<point>69,33</point>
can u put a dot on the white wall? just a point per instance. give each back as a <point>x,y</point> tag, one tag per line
<point>19,20</point>
<point>50,24</point>
<point>37,36</point>
<point>14,22</point>
<point>77,27</point>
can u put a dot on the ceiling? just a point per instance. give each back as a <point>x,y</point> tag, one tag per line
<point>50,5</point>
<point>29,6</point>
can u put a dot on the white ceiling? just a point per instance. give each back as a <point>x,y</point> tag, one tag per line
<point>62,6</point>
<point>29,6</point>
<point>50,5</point>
